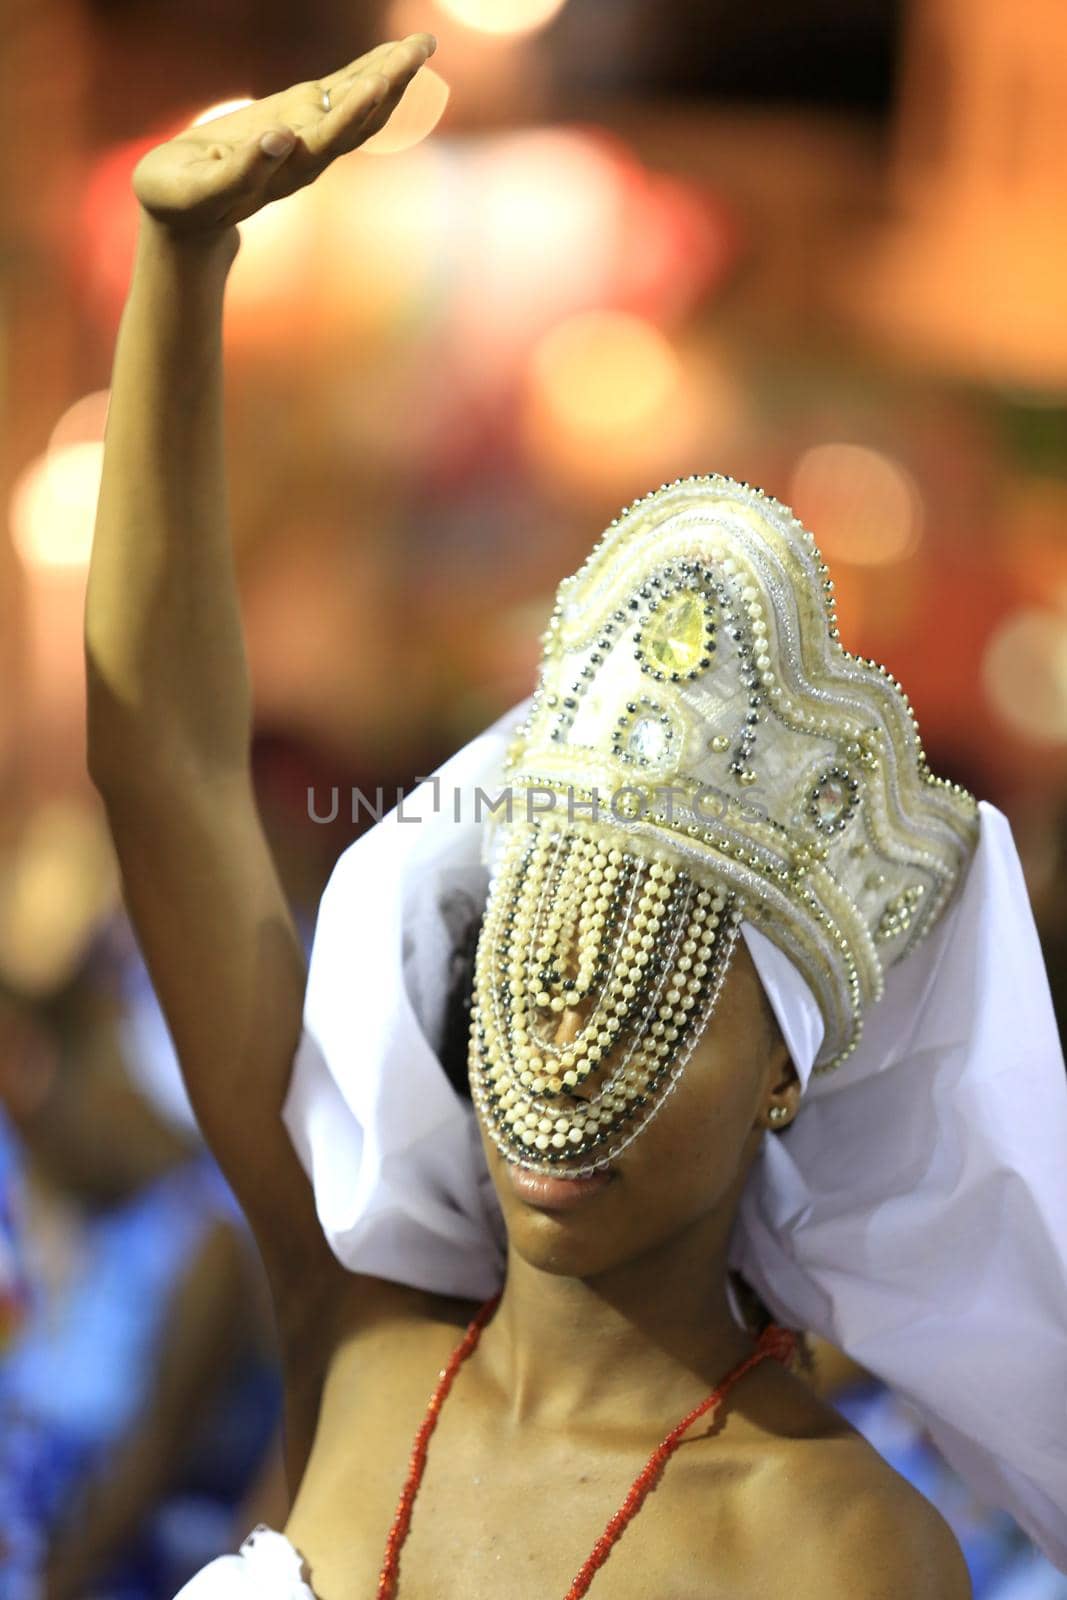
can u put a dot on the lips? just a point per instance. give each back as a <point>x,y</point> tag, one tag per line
<point>554,1194</point>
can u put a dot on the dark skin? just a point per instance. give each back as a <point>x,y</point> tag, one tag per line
<point>614,1322</point>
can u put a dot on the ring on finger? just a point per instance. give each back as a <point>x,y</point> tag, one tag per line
<point>326,99</point>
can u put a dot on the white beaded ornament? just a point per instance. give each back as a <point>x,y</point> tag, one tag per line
<point>694,698</point>
<point>579,926</point>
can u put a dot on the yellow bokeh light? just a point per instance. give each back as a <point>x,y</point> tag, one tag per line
<point>383,223</point>
<point>502,16</point>
<point>604,372</point>
<point>57,884</point>
<point>53,506</point>
<point>1025,675</point>
<point>276,259</point>
<point>418,111</point>
<point>862,506</point>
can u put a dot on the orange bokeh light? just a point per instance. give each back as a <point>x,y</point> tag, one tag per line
<point>863,507</point>
<point>419,110</point>
<point>1025,674</point>
<point>604,372</point>
<point>83,422</point>
<point>502,16</point>
<point>610,405</point>
<point>58,884</point>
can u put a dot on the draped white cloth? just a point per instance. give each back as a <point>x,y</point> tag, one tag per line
<point>265,1568</point>
<point>915,1213</point>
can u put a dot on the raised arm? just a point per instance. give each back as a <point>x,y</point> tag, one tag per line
<point>169,701</point>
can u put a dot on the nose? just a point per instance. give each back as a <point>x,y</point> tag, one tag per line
<point>570,1022</point>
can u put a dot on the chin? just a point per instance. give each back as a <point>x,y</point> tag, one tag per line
<point>574,1229</point>
<point>563,1246</point>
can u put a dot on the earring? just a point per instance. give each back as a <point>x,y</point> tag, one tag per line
<point>778,1113</point>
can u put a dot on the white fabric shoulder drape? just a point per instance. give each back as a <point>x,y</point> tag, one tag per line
<point>915,1214</point>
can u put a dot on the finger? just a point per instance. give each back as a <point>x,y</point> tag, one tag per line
<point>249,165</point>
<point>345,125</point>
<point>320,136</point>
<point>396,62</point>
<point>365,107</point>
<point>217,183</point>
<point>334,133</point>
<point>370,63</point>
<point>400,71</point>
<point>305,111</point>
<point>304,106</point>
<point>361,96</point>
<point>373,60</point>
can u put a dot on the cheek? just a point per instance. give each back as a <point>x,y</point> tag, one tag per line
<point>702,1136</point>
<point>688,1162</point>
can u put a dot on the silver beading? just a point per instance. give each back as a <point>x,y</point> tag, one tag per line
<point>694,664</point>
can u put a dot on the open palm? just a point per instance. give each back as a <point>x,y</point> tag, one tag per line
<point>210,177</point>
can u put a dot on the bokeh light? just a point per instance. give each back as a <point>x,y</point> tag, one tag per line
<point>417,113</point>
<point>610,405</point>
<point>109,218</point>
<point>502,16</point>
<point>865,506</point>
<point>445,371</point>
<point>53,506</point>
<point>560,220</point>
<point>58,881</point>
<point>383,227</point>
<point>274,266</point>
<point>221,109</point>
<point>544,197</point>
<point>494,78</point>
<point>83,422</point>
<point>604,372</point>
<point>1025,674</point>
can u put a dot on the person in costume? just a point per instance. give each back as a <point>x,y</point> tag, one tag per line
<point>134,1396</point>
<point>750,1002</point>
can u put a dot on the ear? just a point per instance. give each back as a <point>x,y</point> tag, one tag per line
<point>782,1100</point>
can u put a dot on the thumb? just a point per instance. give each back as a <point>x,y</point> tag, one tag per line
<point>277,143</point>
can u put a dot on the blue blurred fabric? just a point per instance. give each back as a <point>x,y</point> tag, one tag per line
<point>80,1372</point>
<point>1003,1564</point>
<point>14,1277</point>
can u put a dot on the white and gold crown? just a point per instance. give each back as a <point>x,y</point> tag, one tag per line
<point>693,694</point>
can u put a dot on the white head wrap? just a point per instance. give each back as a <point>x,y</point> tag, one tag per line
<point>915,1213</point>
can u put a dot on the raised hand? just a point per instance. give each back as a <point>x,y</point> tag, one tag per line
<point>212,176</point>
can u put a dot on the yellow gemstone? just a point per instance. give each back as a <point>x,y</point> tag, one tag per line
<point>676,637</point>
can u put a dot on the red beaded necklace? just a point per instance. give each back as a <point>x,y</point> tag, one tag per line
<point>773,1341</point>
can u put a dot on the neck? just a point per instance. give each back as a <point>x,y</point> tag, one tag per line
<point>651,1336</point>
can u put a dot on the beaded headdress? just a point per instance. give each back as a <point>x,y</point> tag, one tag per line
<point>700,750</point>
<point>946,1125</point>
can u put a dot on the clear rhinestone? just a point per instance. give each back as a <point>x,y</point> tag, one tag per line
<point>649,738</point>
<point>832,800</point>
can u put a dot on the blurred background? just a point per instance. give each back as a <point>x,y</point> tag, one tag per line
<point>820,245</point>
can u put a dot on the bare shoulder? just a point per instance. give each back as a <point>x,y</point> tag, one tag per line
<point>855,1529</point>
<point>370,1317</point>
<point>882,1538</point>
<point>358,1335</point>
